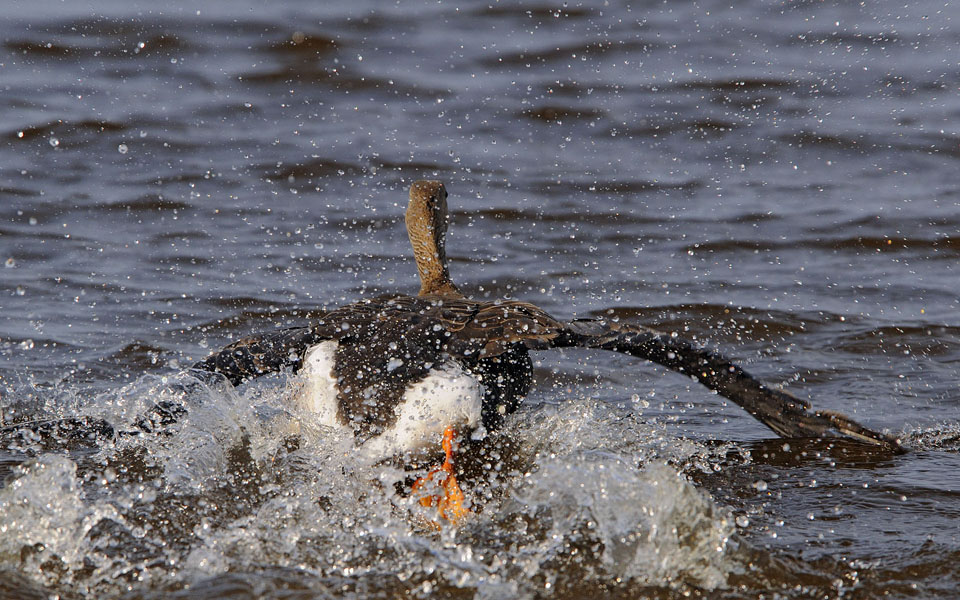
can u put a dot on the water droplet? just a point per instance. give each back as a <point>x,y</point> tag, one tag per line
<point>10,263</point>
<point>742,521</point>
<point>760,485</point>
<point>20,290</point>
<point>26,345</point>
<point>54,142</point>
<point>122,148</point>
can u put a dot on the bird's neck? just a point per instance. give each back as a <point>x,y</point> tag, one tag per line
<point>428,249</point>
<point>434,274</point>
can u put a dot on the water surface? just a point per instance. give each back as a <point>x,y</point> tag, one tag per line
<point>776,180</point>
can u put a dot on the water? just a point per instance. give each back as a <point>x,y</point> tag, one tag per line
<point>776,180</point>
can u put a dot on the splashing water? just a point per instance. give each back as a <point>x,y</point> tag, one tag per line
<point>242,485</point>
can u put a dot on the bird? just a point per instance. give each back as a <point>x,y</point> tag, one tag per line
<point>402,372</point>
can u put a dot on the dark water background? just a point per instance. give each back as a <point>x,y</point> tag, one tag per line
<point>776,179</point>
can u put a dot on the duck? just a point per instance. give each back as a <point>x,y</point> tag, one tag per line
<point>404,374</point>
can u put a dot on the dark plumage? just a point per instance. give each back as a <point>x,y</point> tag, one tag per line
<point>491,341</point>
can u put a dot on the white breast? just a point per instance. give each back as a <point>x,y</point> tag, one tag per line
<point>447,397</point>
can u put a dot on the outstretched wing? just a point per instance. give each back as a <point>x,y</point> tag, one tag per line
<point>258,355</point>
<point>779,410</point>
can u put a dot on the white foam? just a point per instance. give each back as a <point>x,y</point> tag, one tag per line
<point>43,504</point>
<point>322,511</point>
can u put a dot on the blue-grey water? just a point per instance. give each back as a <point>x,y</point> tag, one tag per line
<point>778,180</point>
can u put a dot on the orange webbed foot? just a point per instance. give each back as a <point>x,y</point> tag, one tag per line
<point>450,506</point>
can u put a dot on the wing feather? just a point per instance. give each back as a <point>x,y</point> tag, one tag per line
<point>781,411</point>
<point>258,355</point>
